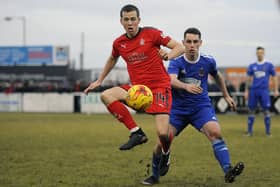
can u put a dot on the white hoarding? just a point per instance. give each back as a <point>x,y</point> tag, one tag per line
<point>10,103</point>
<point>51,102</point>
<point>92,103</point>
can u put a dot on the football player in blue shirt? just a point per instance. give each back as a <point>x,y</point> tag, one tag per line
<point>191,105</point>
<point>257,89</point>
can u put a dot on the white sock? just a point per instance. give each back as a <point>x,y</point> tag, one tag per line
<point>134,129</point>
<point>165,153</point>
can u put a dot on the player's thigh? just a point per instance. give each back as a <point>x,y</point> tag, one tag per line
<point>265,100</point>
<point>178,123</point>
<point>162,123</point>
<point>212,130</point>
<point>113,94</point>
<point>162,100</point>
<point>252,100</point>
<point>202,116</point>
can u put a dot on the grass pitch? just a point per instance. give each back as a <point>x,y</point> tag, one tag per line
<point>75,150</point>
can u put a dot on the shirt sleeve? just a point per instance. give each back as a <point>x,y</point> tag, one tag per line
<point>115,51</point>
<point>173,67</point>
<point>160,38</point>
<point>250,71</point>
<point>213,68</point>
<point>272,70</point>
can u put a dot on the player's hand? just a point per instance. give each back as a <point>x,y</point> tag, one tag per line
<point>276,93</point>
<point>194,89</point>
<point>231,103</point>
<point>163,54</point>
<point>92,86</point>
<point>246,95</point>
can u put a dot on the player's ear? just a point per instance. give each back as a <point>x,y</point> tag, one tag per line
<point>121,21</point>
<point>200,42</point>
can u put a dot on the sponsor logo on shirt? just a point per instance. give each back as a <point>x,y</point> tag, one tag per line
<point>259,74</point>
<point>136,57</point>
<point>190,80</point>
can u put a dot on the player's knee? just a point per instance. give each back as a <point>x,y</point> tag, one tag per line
<point>162,132</point>
<point>215,134</point>
<point>104,96</point>
<point>252,111</point>
<point>107,96</point>
<point>266,112</point>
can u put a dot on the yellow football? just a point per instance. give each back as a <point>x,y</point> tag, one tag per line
<point>139,97</point>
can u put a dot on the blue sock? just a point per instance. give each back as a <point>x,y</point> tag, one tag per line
<point>267,123</point>
<point>221,154</point>
<point>155,165</point>
<point>251,120</point>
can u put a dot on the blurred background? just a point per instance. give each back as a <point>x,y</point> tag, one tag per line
<point>51,50</point>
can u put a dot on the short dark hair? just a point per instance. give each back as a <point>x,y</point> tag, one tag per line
<point>192,30</point>
<point>260,48</point>
<point>130,8</point>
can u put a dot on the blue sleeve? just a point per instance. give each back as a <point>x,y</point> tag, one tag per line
<point>173,67</point>
<point>213,68</point>
<point>272,70</point>
<point>250,71</point>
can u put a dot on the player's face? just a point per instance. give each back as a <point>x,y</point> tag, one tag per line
<point>192,43</point>
<point>130,22</point>
<point>260,54</point>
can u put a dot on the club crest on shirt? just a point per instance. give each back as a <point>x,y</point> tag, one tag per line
<point>201,72</point>
<point>142,41</point>
<point>183,71</point>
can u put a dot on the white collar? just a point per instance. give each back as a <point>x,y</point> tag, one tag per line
<point>261,62</point>
<point>194,61</point>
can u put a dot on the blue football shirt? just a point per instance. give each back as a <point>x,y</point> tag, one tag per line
<point>261,73</point>
<point>195,73</point>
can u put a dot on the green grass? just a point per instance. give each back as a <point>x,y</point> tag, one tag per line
<point>66,150</point>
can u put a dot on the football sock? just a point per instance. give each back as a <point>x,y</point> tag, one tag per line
<point>155,165</point>
<point>122,114</point>
<point>267,123</point>
<point>135,129</point>
<point>166,142</point>
<point>222,154</point>
<point>251,119</point>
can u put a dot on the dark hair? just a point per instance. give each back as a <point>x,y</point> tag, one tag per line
<point>260,48</point>
<point>130,8</point>
<point>192,30</point>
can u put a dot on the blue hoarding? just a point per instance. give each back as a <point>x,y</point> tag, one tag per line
<point>32,55</point>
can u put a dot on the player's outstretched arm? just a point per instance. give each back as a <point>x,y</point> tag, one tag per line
<point>191,88</point>
<point>221,83</point>
<point>107,68</point>
<point>177,49</point>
